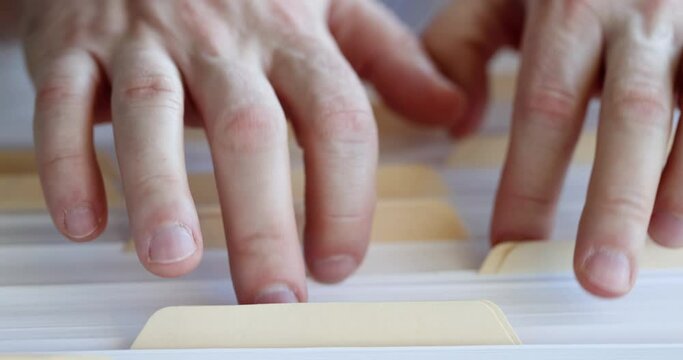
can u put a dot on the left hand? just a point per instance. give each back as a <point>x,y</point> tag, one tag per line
<point>239,68</point>
<point>565,48</point>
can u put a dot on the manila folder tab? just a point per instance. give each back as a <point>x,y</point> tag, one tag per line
<point>327,325</point>
<point>529,257</point>
<point>557,257</point>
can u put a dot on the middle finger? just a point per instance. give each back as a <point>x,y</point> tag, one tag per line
<point>247,131</point>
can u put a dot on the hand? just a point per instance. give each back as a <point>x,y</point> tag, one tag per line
<point>571,49</point>
<point>148,65</point>
<point>9,15</point>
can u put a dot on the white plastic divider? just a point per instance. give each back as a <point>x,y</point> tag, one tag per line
<point>524,352</point>
<point>542,309</point>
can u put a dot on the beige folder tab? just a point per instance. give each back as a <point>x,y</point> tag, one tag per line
<point>488,151</point>
<point>19,161</point>
<point>195,134</point>
<point>392,125</point>
<point>20,188</point>
<point>394,221</point>
<point>327,325</point>
<point>416,220</point>
<point>23,161</point>
<point>393,182</point>
<point>557,256</point>
<point>397,181</point>
<point>503,86</point>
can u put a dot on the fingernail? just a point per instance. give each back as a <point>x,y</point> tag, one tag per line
<point>276,294</point>
<point>667,228</point>
<point>335,268</point>
<point>80,222</point>
<point>171,243</point>
<point>609,269</point>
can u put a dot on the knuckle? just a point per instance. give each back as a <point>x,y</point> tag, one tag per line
<point>641,103</point>
<point>157,89</point>
<point>551,104</point>
<point>257,244</point>
<point>340,124</point>
<point>252,129</point>
<point>289,16</point>
<point>63,160</point>
<point>632,204</point>
<point>63,77</point>
<point>346,135</point>
<point>311,54</point>
<point>321,54</point>
<point>150,184</point>
<point>534,201</point>
<point>57,90</point>
<point>355,216</point>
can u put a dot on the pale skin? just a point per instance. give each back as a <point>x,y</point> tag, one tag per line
<point>239,68</point>
<point>629,52</point>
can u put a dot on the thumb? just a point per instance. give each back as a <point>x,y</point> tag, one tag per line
<point>463,38</point>
<point>389,56</point>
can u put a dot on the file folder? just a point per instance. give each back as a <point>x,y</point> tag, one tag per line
<point>548,257</point>
<point>327,325</point>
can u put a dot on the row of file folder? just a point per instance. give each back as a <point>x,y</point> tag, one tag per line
<point>540,309</point>
<point>430,285</point>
